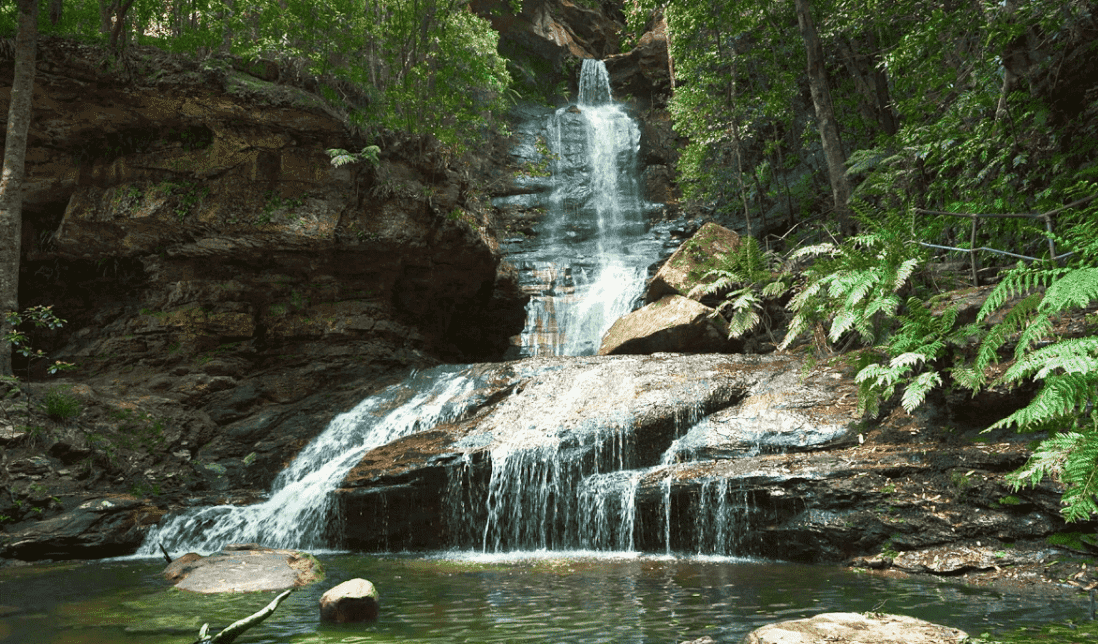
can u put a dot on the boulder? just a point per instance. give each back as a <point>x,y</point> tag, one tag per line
<point>693,259</point>
<point>355,600</point>
<point>864,628</point>
<point>674,324</point>
<point>242,568</point>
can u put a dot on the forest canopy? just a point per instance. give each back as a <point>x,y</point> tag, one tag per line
<point>421,66</point>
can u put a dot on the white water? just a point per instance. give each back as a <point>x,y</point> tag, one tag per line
<point>297,510</point>
<point>544,493</point>
<point>594,234</point>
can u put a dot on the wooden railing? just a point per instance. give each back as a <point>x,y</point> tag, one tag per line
<point>972,250</point>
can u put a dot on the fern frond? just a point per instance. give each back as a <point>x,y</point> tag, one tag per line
<point>1014,320</point>
<point>1059,397</point>
<point>1077,288</point>
<point>916,392</point>
<point>1015,283</point>
<point>816,250</point>
<point>1039,328</point>
<point>909,359</point>
<point>775,289</point>
<point>1072,457</point>
<point>904,271</point>
<point>1074,355</point>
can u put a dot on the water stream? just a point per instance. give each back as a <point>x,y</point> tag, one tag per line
<point>595,243</point>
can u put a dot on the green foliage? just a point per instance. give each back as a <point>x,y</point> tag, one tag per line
<point>746,277</point>
<point>428,66</point>
<point>59,404</point>
<point>854,287</point>
<point>920,341</point>
<point>343,157</point>
<point>35,317</point>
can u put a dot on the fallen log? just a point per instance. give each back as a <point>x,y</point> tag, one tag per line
<point>234,630</point>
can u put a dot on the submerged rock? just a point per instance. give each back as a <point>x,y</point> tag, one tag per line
<point>675,324</point>
<point>864,628</point>
<point>243,568</point>
<point>355,600</point>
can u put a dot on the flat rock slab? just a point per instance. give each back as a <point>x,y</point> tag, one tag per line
<point>862,628</point>
<point>242,569</point>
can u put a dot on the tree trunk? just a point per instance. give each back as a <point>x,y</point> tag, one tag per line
<point>825,115</point>
<point>11,183</point>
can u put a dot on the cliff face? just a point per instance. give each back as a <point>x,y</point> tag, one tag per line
<point>219,274</point>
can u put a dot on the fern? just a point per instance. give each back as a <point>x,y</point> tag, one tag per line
<point>746,277</point>
<point>922,339</point>
<point>1068,372</point>
<point>854,287</point>
<point>343,157</point>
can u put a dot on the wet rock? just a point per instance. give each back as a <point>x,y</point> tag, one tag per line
<point>355,600</point>
<point>955,559</point>
<point>98,527</point>
<point>694,258</point>
<point>674,324</point>
<point>865,628</point>
<point>242,568</point>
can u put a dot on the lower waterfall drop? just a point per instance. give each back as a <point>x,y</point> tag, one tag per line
<point>296,512</point>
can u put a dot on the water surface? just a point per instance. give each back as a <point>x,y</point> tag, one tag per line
<point>575,598</point>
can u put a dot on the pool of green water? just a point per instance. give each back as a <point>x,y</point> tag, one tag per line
<point>450,598</point>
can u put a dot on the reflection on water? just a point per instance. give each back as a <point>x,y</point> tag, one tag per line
<point>547,597</point>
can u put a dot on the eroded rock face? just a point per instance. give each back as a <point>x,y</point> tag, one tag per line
<point>726,454</point>
<point>872,628</point>
<point>226,289</point>
<point>103,526</point>
<point>674,324</point>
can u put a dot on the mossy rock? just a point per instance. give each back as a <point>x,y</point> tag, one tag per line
<point>687,267</point>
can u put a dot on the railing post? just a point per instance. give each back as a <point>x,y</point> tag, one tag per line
<point>972,252</point>
<point>1048,229</point>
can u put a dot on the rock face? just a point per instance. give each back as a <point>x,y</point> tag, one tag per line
<point>226,289</point>
<point>872,628</point>
<point>242,568</point>
<point>674,324</point>
<point>108,526</point>
<point>644,71</point>
<point>355,600</point>
<point>691,261</point>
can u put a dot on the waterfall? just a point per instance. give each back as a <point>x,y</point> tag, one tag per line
<point>296,512</point>
<point>594,249</point>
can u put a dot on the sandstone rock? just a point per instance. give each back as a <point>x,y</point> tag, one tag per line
<point>242,568</point>
<point>674,324</point>
<point>355,600</point>
<point>865,628</point>
<point>955,559</point>
<point>644,71</point>
<point>697,256</point>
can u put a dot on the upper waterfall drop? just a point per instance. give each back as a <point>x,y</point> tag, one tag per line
<point>594,83</point>
<point>589,262</point>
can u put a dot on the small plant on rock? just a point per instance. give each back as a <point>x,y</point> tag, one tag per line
<point>59,404</point>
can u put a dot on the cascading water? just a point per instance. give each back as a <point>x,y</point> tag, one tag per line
<point>593,250</point>
<point>549,488</point>
<point>296,513</point>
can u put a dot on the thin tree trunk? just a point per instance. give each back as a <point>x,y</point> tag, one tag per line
<point>825,115</point>
<point>11,183</point>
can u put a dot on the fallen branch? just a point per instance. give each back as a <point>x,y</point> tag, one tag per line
<point>234,630</point>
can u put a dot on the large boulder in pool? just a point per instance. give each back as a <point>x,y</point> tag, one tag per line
<point>355,600</point>
<point>864,628</point>
<point>675,324</point>
<point>242,568</point>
